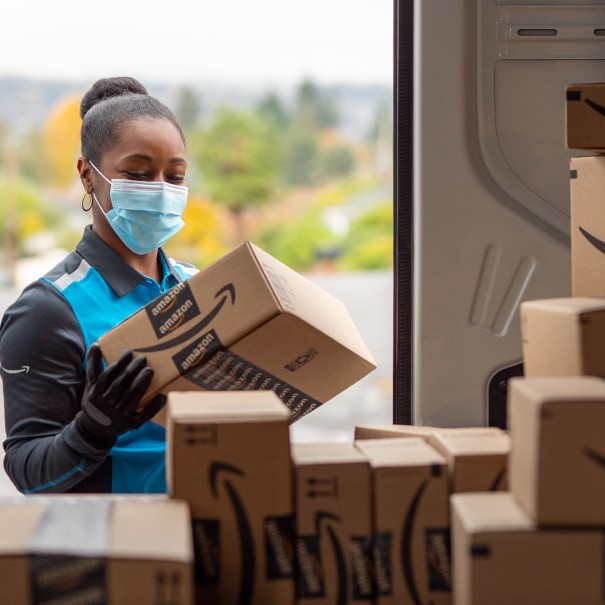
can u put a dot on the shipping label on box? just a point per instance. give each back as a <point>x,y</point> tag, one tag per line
<point>502,557</point>
<point>587,192</point>
<point>333,524</point>
<point>557,462</point>
<point>563,337</point>
<point>96,549</point>
<point>585,116</point>
<point>228,456</point>
<point>411,521</point>
<point>247,322</point>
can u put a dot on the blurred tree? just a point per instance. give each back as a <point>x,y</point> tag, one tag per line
<point>34,160</point>
<point>300,157</point>
<point>314,109</point>
<point>369,243</point>
<point>61,136</point>
<point>202,239</point>
<point>22,214</point>
<point>380,139</point>
<point>296,243</point>
<point>188,108</point>
<point>336,161</point>
<point>239,163</point>
<point>271,108</point>
<point>4,131</point>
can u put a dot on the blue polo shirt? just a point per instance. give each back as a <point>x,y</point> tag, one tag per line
<point>44,336</point>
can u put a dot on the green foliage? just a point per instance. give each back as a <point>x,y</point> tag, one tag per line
<point>188,108</point>
<point>300,159</point>
<point>239,160</point>
<point>297,243</point>
<point>336,161</point>
<point>22,212</point>
<point>272,109</point>
<point>314,110</point>
<point>369,243</point>
<point>34,161</point>
<point>4,131</point>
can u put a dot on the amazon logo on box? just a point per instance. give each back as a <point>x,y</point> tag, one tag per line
<point>228,457</point>
<point>332,485</point>
<point>587,211</point>
<point>417,569</point>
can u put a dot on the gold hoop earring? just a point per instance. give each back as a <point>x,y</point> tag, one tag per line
<point>83,198</point>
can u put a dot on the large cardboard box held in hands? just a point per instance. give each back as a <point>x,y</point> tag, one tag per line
<point>557,462</point>
<point>587,192</point>
<point>333,524</point>
<point>563,337</point>
<point>411,522</point>
<point>585,116</point>
<point>228,456</point>
<point>95,549</point>
<point>502,558</point>
<point>247,322</point>
<point>476,456</point>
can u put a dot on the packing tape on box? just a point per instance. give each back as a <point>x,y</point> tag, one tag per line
<point>78,527</point>
<point>68,550</point>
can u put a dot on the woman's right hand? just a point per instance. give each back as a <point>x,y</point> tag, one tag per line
<point>112,396</point>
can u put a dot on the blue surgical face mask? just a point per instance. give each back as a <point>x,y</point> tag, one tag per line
<point>144,214</point>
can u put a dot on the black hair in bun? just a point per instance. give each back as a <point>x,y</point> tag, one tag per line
<point>111,102</point>
<point>110,87</point>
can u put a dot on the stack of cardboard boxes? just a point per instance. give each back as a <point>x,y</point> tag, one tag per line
<point>544,542</point>
<point>415,471</point>
<point>275,522</point>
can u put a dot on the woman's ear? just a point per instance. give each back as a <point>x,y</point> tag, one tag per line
<point>85,172</point>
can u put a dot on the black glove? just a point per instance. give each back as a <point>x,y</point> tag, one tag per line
<point>111,397</point>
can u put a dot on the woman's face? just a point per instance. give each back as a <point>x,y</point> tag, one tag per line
<point>147,150</point>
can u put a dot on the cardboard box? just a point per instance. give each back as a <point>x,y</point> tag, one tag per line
<point>333,524</point>
<point>557,463</point>
<point>391,431</point>
<point>477,459</point>
<point>228,456</point>
<point>587,191</point>
<point>95,549</point>
<point>411,522</point>
<point>476,456</point>
<point>563,337</point>
<point>585,116</point>
<point>247,322</point>
<point>502,558</point>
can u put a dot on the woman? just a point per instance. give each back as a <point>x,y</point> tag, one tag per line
<point>72,425</point>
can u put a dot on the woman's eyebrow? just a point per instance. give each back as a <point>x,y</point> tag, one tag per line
<point>147,158</point>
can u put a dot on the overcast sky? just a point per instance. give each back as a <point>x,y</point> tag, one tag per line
<point>240,41</point>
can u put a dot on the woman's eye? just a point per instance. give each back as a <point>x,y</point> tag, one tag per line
<point>135,175</point>
<point>177,179</point>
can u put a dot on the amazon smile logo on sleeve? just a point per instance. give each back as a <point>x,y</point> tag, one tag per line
<point>21,370</point>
